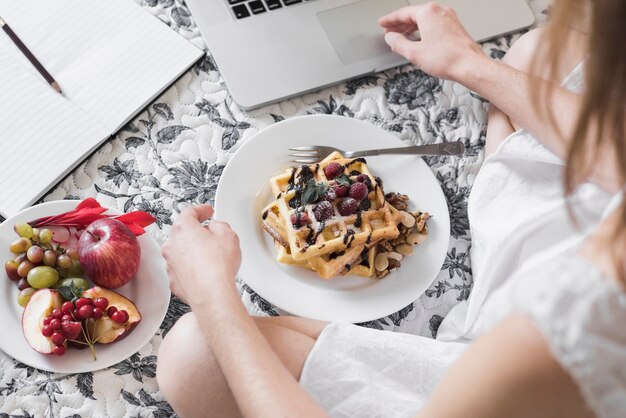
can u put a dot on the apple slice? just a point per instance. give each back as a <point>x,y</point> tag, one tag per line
<point>106,330</point>
<point>41,303</point>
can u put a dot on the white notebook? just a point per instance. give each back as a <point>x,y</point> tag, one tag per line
<point>111,59</point>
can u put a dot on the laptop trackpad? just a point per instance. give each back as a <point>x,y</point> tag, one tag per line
<point>353,29</point>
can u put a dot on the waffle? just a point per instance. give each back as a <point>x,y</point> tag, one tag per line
<point>358,260</point>
<point>372,223</point>
<point>339,245</point>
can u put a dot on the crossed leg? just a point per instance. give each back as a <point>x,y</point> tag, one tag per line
<point>190,378</point>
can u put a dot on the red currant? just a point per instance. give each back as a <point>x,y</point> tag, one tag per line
<point>47,320</point>
<point>71,330</point>
<point>120,317</point>
<point>101,303</point>
<point>97,313</point>
<point>82,302</point>
<point>47,331</point>
<point>111,310</point>
<point>67,307</point>
<point>57,313</point>
<point>59,350</point>
<point>85,312</point>
<point>58,338</point>
<point>55,324</point>
<point>66,318</point>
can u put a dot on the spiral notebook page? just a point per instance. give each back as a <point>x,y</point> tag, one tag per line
<point>109,57</point>
<point>42,135</point>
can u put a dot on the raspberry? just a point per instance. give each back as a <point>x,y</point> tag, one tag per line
<point>358,191</point>
<point>347,206</point>
<point>330,195</point>
<point>299,219</point>
<point>363,178</point>
<point>332,170</point>
<point>341,191</point>
<point>323,211</point>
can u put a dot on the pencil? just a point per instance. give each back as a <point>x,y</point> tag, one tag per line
<point>45,74</point>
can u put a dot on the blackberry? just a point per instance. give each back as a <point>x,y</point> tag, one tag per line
<point>323,211</point>
<point>299,219</point>
<point>347,206</point>
<point>341,191</point>
<point>333,170</point>
<point>365,179</point>
<point>358,191</point>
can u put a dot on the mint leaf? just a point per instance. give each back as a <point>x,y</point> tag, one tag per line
<point>343,180</point>
<point>66,292</point>
<point>313,192</point>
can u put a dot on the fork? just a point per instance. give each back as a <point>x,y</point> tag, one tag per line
<point>315,153</point>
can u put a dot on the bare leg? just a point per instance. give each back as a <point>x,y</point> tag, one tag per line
<point>520,56</point>
<point>190,378</point>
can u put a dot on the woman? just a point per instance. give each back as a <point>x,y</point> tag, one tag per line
<point>548,340</point>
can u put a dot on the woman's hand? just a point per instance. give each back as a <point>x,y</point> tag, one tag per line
<point>445,50</point>
<point>201,260</point>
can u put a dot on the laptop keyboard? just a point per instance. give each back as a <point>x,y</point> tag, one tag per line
<point>246,8</point>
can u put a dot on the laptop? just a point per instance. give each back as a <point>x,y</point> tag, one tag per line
<point>269,50</point>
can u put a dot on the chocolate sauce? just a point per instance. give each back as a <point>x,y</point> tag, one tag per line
<point>348,267</point>
<point>369,239</point>
<point>348,238</point>
<point>332,256</point>
<point>357,222</point>
<point>356,160</point>
<point>292,178</point>
<point>264,215</point>
<point>311,238</point>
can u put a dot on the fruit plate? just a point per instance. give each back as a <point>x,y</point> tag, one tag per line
<point>244,191</point>
<point>149,291</point>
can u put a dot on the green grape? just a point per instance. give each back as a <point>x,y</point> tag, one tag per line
<point>24,268</point>
<point>50,258</point>
<point>76,281</point>
<point>35,254</point>
<point>72,252</point>
<point>42,276</point>
<point>64,261</point>
<point>45,236</point>
<point>23,297</point>
<point>76,270</point>
<point>23,230</point>
<point>20,246</point>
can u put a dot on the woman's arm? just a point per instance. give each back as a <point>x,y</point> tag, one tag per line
<point>447,51</point>
<point>509,372</point>
<point>202,264</point>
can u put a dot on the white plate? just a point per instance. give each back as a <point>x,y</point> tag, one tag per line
<point>244,190</point>
<point>149,291</point>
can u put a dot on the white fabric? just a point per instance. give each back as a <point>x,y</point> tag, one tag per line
<point>516,210</point>
<point>360,372</point>
<point>582,316</point>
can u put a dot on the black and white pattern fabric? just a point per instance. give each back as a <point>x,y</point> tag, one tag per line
<point>172,155</point>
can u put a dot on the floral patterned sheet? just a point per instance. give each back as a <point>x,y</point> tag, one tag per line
<point>172,155</point>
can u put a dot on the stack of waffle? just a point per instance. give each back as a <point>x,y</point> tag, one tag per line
<point>337,237</point>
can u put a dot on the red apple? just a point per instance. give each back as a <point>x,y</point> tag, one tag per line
<point>41,303</point>
<point>107,331</point>
<point>109,253</point>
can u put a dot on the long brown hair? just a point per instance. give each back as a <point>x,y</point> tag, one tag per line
<point>600,132</point>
